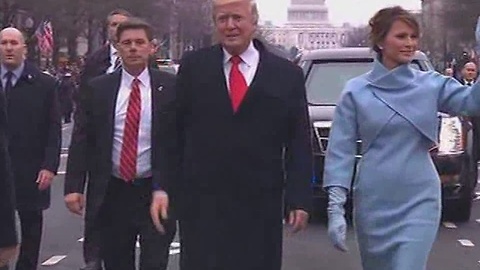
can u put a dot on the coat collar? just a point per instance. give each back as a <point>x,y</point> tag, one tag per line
<point>29,73</point>
<point>400,92</point>
<point>396,78</point>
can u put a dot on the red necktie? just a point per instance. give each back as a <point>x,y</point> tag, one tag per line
<point>128,155</point>
<point>238,85</point>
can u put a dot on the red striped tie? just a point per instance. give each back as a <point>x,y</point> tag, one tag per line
<point>238,85</point>
<point>128,156</point>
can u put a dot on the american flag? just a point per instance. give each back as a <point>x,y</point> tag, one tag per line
<point>44,34</point>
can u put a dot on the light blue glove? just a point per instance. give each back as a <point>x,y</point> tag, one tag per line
<point>337,225</point>
<point>477,36</point>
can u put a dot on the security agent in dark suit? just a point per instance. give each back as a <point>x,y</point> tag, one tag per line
<point>469,76</point>
<point>103,61</point>
<point>34,140</point>
<point>116,142</point>
<point>241,118</point>
<point>8,235</point>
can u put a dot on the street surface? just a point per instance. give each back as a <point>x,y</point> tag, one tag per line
<point>309,250</point>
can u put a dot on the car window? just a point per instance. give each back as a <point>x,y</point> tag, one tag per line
<point>326,79</point>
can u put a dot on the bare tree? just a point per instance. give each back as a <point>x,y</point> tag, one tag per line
<point>460,18</point>
<point>357,37</point>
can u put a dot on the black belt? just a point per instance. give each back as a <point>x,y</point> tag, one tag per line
<point>136,182</point>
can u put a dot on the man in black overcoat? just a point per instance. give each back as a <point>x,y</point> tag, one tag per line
<point>243,147</point>
<point>34,139</point>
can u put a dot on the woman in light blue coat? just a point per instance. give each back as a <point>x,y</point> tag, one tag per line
<point>393,110</point>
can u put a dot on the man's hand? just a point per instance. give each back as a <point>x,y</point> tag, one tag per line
<point>6,254</point>
<point>75,203</point>
<point>159,208</point>
<point>44,179</point>
<point>298,219</point>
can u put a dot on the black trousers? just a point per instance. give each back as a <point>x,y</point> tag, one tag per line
<point>124,217</point>
<point>91,246</point>
<point>231,229</point>
<point>31,223</point>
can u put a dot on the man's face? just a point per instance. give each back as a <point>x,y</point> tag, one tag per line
<point>113,22</point>
<point>134,48</point>
<point>469,71</point>
<point>235,25</point>
<point>12,48</point>
<point>448,72</point>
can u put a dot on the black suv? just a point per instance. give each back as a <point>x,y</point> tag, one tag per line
<point>327,71</point>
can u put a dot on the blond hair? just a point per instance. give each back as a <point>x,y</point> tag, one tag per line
<point>253,7</point>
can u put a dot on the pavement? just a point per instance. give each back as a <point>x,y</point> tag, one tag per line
<point>457,246</point>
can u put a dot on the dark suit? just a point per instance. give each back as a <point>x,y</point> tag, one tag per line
<point>34,132</point>
<point>475,123</point>
<point>96,65</point>
<point>8,235</point>
<point>91,153</point>
<point>232,180</point>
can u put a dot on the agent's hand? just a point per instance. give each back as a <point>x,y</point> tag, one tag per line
<point>44,179</point>
<point>75,203</point>
<point>159,209</point>
<point>6,254</point>
<point>298,219</point>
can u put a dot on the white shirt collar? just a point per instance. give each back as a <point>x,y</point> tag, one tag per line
<point>144,77</point>
<point>249,56</point>
<point>113,51</point>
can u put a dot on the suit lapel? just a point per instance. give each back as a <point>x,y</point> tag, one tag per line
<point>111,102</point>
<point>260,76</point>
<point>218,78</point>
<point>156,95</point>
<point>105,59</point>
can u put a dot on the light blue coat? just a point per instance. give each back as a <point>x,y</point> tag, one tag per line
<point>397,189</point>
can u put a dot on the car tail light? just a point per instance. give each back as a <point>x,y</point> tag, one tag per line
<point>451,138</point>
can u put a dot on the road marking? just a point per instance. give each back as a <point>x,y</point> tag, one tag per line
<point>137,244</point>
<point>449,225</point>
<point>53,260</point>
<point>466,243</point>
<point>81,239</point>
<point>64,155</point>
<point>174,251</point>
<point>61,172</point>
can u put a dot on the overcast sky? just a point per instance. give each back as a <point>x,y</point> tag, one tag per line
<point>353,11</point>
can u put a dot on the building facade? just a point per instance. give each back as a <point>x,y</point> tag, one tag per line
<point>307,27</point>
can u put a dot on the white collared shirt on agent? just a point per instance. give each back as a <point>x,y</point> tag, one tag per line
<point>248,66</point>
<point>113,58</point>
<point>144,165</point>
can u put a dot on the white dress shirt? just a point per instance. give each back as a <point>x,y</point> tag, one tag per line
<point>248,66</point>
<point>144,165</point>
<point>113,58</point>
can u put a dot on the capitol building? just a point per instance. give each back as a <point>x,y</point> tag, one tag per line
<point>307,28</point>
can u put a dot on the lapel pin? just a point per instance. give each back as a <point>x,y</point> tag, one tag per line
<point>160,88</point>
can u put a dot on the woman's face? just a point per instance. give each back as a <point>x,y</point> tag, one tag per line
<point>399,45</point>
